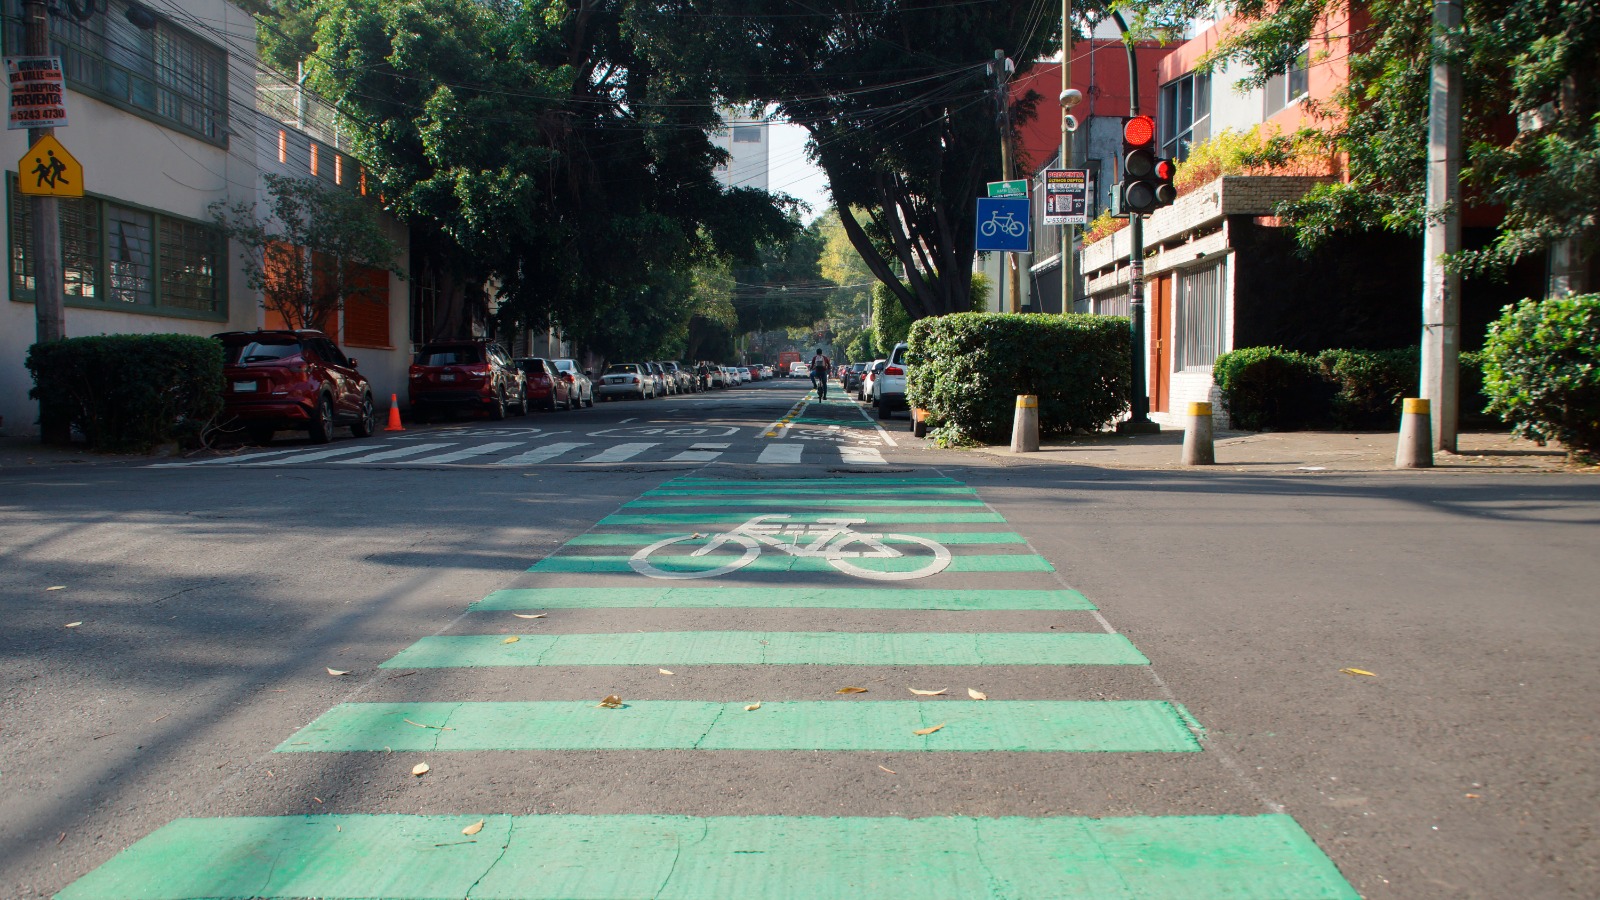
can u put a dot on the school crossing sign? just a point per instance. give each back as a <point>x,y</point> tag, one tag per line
<point>48,170</point>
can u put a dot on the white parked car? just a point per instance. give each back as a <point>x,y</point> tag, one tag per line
<point>889,388</point>
<point>799,370</point>
<point>868,379</point>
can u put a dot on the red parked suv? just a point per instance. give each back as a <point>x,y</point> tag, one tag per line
<point>465,374</point>
<point>293,380</point>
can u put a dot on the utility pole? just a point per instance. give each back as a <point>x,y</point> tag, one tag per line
<point>1441,288</point>
<point>1138,421</point>
<point>1002,87</point>
<point>1069,233</point>
<point>50,320</point>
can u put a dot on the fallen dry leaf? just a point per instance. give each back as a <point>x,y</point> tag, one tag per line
<point>977,695</point>
<point>851,690</point>
<point>420,769</point>
<point>1359,672</point>
<point>929,730</point>
<point>534,616</point>
<point>58,587</point>
<point>474,828</point>
<point>338,672</point>
<point>1473,796</point>
<point>73,624</point>
<point>318,799</point>
<point>927,693</point>
<point>753,707</point>
<point>511,640</point>
<point>611,702</point>
<point>664,671</point>
<point>889,770</point>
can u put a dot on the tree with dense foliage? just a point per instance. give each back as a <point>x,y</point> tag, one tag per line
<point>1531,110</point>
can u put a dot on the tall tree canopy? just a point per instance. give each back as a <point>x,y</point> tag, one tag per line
<point>533,144</point>
<point>897,99</point>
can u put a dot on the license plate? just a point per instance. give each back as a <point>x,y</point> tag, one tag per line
<point>241,387</point>
<point>447,378</point>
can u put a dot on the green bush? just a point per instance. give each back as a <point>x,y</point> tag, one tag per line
<point>1474,410</point>
<point>129,391</point>
<point>1368,386</point>
<point>890,321</point>
<point>1269,388</point>
<point>1542,370</point>
<point>968,368</point>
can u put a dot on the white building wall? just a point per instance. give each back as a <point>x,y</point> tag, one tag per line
<point>135,161</point>
<point>750,159</point>
<point>1233,107</point>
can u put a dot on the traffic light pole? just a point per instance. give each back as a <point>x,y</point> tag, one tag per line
<point>1138,421</point>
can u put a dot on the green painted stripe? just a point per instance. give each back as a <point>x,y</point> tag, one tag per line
<point>1016,562</point>
<point>788,598</point>
<point>943,537</point>
<point>866,518</point>
<point>790,500</point>
<point>555,857</point>
<point>670,490</point>
<point>792,648</point>
<point>822,481</point>
<point>1018,726</point>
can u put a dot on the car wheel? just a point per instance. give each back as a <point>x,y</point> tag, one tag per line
<point>322,421</point>
<point>497,412</point>
<point>551,405</point>
<point>261,434</point>
<point>368,422</point>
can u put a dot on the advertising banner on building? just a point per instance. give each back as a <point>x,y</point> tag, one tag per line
<point>38,92</point>
<point>1066,197</point>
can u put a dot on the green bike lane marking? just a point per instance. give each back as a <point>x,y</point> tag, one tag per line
<point>557,857</point>
<point>864,517</point>
<point>1015,562</point>
<point>752,502</point>
<point>772,648</point>
<point>674,490</point>
<point>807,485</point>
<point>606,539</point>
<point>791,597</point>
<point>889,726</point>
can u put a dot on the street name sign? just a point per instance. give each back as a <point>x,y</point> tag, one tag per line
<point>1003,224</point>
<point>38,92</point>
<point>1018,188</point>
<point>48,170</point>
<point>1066,197</point>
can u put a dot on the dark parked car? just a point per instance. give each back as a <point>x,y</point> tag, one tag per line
<point>455,375</point>
<point>852,376</point>
<point>293,380</point>
<point>546,388</point>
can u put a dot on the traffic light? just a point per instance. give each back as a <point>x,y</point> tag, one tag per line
<point>1146,179</point>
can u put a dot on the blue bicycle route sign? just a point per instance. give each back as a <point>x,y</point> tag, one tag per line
<point>1003,224</point>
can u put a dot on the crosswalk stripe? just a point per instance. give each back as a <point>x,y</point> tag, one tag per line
<point>771,648</point>
<point>468,453</point>
<point>541,454</point>
<point>1020,726</point>
<point>223,460</point>
<point>312,457</point>
<point>862,456</point>
<point>695,456</point>
<point>412,450</point>
<point>781,453</point>
<point>551,855</point>
<point>619,453</point>
<point>709,446</point>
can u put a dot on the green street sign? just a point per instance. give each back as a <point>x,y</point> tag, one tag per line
<point>1018,188</point>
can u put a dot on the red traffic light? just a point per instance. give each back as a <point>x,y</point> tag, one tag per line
<point>1139,130</point>
<point>1164,169</point>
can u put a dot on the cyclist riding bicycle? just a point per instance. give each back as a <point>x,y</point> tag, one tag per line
<point>821,365</point>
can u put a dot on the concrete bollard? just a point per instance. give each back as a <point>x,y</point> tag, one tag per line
<point>1025,425</point>
<point>1199,448</point>
<point>1416,435</point>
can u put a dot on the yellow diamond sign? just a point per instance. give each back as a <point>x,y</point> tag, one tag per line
<point>47,169</point>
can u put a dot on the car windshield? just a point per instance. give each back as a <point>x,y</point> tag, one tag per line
<point>258,351</point>
<point>449,356</point>
<point>532,366</point>
<point>565,365</point>
<point>622,369</point>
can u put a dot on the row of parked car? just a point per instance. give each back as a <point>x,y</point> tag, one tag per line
<point>301,381</point>
<point>881,383</point>
<point>643,381</point>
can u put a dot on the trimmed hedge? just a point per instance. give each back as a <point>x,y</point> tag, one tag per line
<point>1268,388</point>
<point>1542,370</point>
<point>130,391</point>
<point>968,368</point>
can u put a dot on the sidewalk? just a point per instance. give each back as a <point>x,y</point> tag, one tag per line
<point>1296,453</point>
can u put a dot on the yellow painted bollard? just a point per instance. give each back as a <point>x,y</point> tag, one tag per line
<point>919,422</point>
<point>1199,448</point>
<point>1025,425</point>
<point>1416,435</point>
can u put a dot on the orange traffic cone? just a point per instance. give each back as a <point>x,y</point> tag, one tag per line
<point>394,414</point>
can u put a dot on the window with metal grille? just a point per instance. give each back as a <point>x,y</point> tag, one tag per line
<point>165,73</point>
<point>123,257</point>
<point>1201,329</point>
<point>1185,114</point>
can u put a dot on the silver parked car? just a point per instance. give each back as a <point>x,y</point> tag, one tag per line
<point>626,380</point>
<point>582,387</point>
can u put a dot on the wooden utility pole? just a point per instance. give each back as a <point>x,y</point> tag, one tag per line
<point>1441,288</point>
<point>1069,264</point>
<point>45,253</point>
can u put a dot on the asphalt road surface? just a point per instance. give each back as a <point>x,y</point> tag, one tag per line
<point>1076,682</point>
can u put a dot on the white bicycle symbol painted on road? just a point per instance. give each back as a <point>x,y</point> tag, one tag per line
<point>831,539</point>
